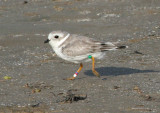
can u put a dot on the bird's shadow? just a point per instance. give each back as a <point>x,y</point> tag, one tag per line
<point>116,71</point>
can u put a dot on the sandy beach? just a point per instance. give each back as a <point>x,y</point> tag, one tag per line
<point>32,76</point>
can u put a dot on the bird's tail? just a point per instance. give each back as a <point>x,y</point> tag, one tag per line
<point>122,47</point>
<point>111,46</point>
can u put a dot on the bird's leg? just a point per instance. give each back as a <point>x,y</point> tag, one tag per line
<point>74,76</point>
<point>93,66</point>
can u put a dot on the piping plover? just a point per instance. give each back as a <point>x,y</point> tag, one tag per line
<point>79,49</point>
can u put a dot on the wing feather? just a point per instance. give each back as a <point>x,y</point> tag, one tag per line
<point>81,45</point>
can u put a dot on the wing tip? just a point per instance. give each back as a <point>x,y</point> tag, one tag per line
<point>122,47</point>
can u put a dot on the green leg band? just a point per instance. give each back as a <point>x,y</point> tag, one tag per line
<point>89,56</point>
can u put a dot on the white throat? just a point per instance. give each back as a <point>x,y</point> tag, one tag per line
<point>64,39</point>
<point>58,48</point>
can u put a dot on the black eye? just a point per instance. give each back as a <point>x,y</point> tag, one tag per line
<point>56,36</point>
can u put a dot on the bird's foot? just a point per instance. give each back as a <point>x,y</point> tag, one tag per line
<point>71,78</point>
<point>96,73</point>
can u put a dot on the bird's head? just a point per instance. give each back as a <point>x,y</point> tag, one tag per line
<point>56,38</point>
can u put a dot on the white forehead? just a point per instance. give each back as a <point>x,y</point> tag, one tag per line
<point>50,36</point>
<point>54,33</point>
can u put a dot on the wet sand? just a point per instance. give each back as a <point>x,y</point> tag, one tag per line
<point>31,76</point>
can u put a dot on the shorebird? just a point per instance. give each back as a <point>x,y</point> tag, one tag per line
<point>79,49</point>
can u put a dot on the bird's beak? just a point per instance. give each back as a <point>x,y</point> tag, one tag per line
<point>46,41</point>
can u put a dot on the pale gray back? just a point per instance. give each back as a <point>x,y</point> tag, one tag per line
<point>77,45</point>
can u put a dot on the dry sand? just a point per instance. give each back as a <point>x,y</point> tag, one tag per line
<point>130,81</point>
